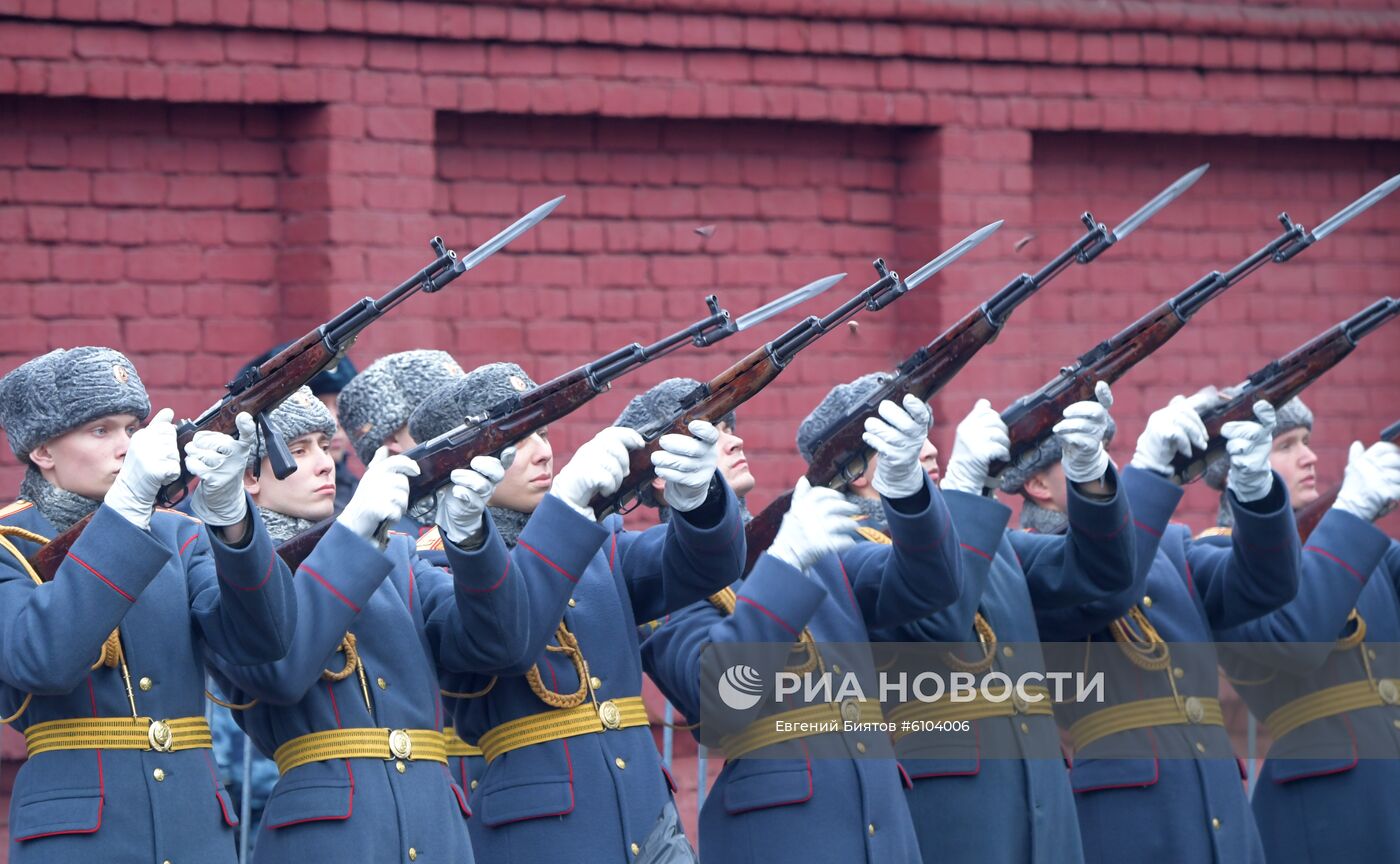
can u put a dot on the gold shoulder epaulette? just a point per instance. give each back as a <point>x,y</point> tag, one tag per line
<point>873,535</point>
<point>431,541</point>
<point>17,507</point>
<point>1218,531</point>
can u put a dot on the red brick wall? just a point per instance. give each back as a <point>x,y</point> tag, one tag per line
<point>150,227</point>
<point>191,180</point>
<point>1226,216</point>
<point>622,261</point>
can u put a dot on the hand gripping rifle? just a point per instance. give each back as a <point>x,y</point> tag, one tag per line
<point>843,455</point>
<point>1308,517</point>
<point>1030,418</point>
<point>1281,380</point>
<point>261,389</point>
<point>517,417</point>
<point>742,381</point>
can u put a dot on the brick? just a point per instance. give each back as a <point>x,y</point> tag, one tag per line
<point>339,51</point>
<point>308,15</point>
<point>396,55</point>
<point>450,57</point>
<point>187,46</point>
<point>202,191</point>
<point>241,265</point>
<point>80,10</point>
<point>1002,45</point>
<point>128,189</point>
<point>399,124</point>
<point>1094,49</point>
<point>52,187</point>
<point>382,16</point>
<point>36,40</point>
<point>172,265</point>
<point>653,64</point>
<point>237,336</point>
<point>261,48</point>
<point>969,43</point>
<point>194,11</point>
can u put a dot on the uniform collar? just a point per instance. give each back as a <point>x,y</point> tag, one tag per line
<point>61,507</point>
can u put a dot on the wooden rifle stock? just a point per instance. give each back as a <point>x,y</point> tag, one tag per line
<point>262,389</point>
<point>1281,380</point>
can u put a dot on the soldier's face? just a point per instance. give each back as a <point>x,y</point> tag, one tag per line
<point>928,460</point>
<point>309,492</point>
<point>86,460</point>
<point>340,442</point>
<point>529,477</point>
<point>400,441</point>
<point>1296,463</point>
<point>861,488</point>
<point>733,464</point>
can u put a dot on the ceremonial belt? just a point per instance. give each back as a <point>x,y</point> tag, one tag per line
<point>410,744</point>
<point>119,733</point>
<point>802,723</point>
<point>978,708</point>
<point>560,723</point>
<point>1331,702</point>
<point>456,746</point>
<point>1144,714</point>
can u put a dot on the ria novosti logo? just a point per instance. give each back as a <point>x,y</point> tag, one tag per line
<point>740,687</point>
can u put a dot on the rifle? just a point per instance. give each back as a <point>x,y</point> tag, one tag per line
<point>1308,517</point>
<point>742,381</point>
<point>1281,380</point>
<point>518,416</point>
<point>1030,418</point>
<point>843,455</point>
<point>261,389</point>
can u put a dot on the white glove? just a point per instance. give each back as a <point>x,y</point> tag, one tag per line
<point>1372,482</point>
<point>1174,429</point>
<point>382,495</point>
<point>981,438</point>
<point>152,460</point>
<point>818,522</point>
<point>1249,444</point>
<point>687,464</point>
<point>461,505</point>
<point>597,468</point>
<point>1081,436</point>
<point>219,460</point>
<point>898,435</point>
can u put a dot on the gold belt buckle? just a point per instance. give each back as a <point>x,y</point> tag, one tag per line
<point>610,715</point>
<point>400,744</point>
<point>1195,711</point>
<point>1389,692</point>
<point>850,710</point>
<point>160,737</point>
<point>1020,703</point>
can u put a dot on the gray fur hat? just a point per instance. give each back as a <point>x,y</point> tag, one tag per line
<point>1293,414</point>
<point>64,389</point>
<point>661,403</point>
<point>841,399</point>
<point>377,402</point>
<point>299,414</point>
<point>1032,462</point>
<point>657,405</point>
<point>480,390</point>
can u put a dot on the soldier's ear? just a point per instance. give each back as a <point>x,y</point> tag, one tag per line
<point>41,457</point>
<point>250,483</point>
<point>658,485</point>
<point>1037,489</point>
